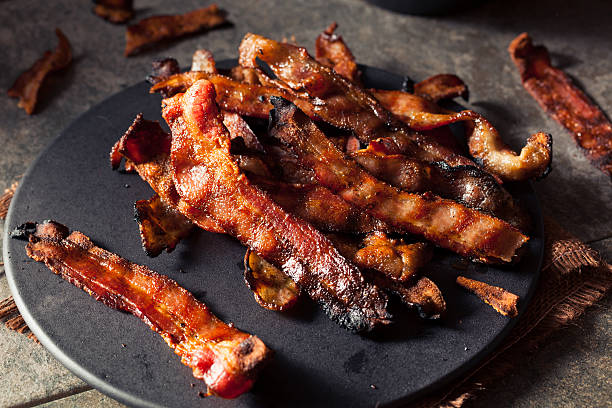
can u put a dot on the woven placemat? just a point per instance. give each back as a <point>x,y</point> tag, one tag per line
<point>574,277</point>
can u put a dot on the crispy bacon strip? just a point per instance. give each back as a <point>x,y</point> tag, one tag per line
<point>115,11</point>
<point>500,299</point>
<point>563,100</point>
<point>446,223</point>
<point>207,178</point>
<point>161,226</point>
<point>332,52</point>
<point>224,357</point>
<point>158,28</point>
<point>441,86</point>
<point>27,85</point>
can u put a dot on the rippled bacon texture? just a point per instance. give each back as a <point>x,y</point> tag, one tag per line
<point>226,358</point>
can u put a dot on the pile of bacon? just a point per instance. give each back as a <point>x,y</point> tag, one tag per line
<point>341,193</point>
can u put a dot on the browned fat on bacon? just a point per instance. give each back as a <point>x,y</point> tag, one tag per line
<point>207,178</point>
<point>441,86</point>
<point>563,100</point>
<point>226,358</point>
<point>27,85</point>
<point>444,222</point>
<point>154,29</point>
<point>500,299</point>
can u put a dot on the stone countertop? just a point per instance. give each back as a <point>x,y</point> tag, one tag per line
<point>573,369</point>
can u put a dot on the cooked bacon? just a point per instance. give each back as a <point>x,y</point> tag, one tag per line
<point>444,222</point>
<point>246,75</point>
<point>332,52</point>
<point>224,357</point>
<point>161,226</point>
<point>27,85</point>
<point>203,60</point>
<point>558,95</point>
<point>162,69</point>
<point>207,178</point>
<point>500,299</point>
<point>272,288</point>
<point>115,11</point>
<point>424,295</point>
<point>154,29</point>
<point>441,86</point>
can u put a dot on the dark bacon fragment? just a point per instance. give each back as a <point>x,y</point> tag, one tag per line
<point>332,52</point>
<point>207,178</point>
<point>161,226</point>
<point>500,299</point>
<point>27,85</point>
<point>158,28</point>
<point>162,69</point>
<point>224,357</point>
<point>115,11</point>
<point>272,288</point>
<point>444,222</point>
<point>424,295</point>
<point>441,86</point>
<point>558,95</point>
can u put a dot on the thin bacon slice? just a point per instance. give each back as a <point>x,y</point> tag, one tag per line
<point>500,299</point>
<point>27,85</point>
<point>332,52</point>
<point>154,29</point>
<point>558,95</point>
<point>441,86</point>
<point>224,357</point>
<point>446,223</point>
<point>115,11</point>
<point>161,226</point>
<point>207,178</point>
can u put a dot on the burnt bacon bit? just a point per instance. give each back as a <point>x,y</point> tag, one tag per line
<point>444,222</point>
<point>332,51</point>
<point>161,226</point>
<point>154,29</point>
<point>225,358</point>
<point>272,288</point>
<point>500,299</point>
<point>26,87</point>
<point>442,86</point>
<point>201,150</point>
<point>115,11</point>
<point>558,95</point>
<point>162,69</point>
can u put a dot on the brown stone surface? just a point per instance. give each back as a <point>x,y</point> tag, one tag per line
<point>573,369</point>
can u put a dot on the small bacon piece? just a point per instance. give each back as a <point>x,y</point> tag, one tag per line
<point>27,85</point>
<point>115,11</point>
<point>444,222</point>
<point>272,288</point>
<point>207,178</point>
<point>227,359</point>
<point>332,52</point>
<point>161,226</point>
<point>563,100</point>
<point>500,299</point>
<point>424,295</point>
<point>442,86</point>
<point>203,60</point>
<point>158,28</point>
<point>162,69</point>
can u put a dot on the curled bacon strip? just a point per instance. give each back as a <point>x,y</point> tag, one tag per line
<point>207,178</point>
<point>332,52</point>
<point>563,100</point>
<point>444,222</point>
<point>226,358</point>
<point>157,28</point>
<point>441,86</point>
<point>27,85</point>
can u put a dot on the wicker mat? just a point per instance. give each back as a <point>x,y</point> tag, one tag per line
<point>573,278</point>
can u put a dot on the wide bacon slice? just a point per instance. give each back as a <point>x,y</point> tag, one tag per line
<point>558,95</point>
<point>226,358</point>
<point>444,222</point>
<point>207,178</point>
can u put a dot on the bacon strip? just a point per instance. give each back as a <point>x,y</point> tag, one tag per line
<point>27,85</point>
<point>115,11</point>
<point>444,222</point>
<point>500,299</point>
<point>332,52</point>
<point>441,86</point>
<point>563,100</point>
<point>207,178</point>
<point>224,357</point>
<point>157,28</point>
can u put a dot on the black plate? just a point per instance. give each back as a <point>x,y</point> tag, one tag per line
<point>317,363</point>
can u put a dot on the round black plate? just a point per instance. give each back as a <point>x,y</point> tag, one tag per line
<point>317,363</point>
